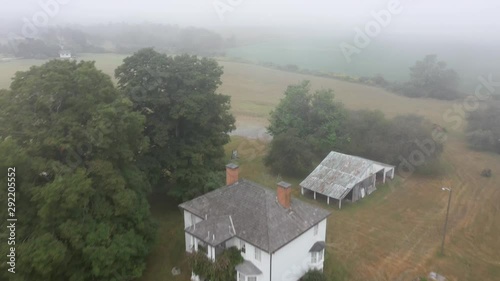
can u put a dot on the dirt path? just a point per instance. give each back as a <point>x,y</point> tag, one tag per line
<point>252,128</point>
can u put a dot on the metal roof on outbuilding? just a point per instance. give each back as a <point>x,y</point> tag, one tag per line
<point>338,173</point>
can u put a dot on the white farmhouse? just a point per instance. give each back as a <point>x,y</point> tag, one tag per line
<point>65,54</point>
<point>280,238</point>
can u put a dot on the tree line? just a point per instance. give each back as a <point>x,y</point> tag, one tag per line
<point>87,154</point>
<point>118,38</point>
<point>429,78</point>
<point>306,126</point>
<point>49,42</point>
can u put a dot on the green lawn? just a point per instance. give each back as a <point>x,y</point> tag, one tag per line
<point>169,250</point>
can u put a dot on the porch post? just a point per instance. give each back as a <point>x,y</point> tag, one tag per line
<point>340,203</point>
<point>314,195</point>
<point>328,200</point>
<point>384,176</point>
<point>302,190</point>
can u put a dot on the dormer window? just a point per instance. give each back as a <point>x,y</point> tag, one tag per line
<point>316,228</point>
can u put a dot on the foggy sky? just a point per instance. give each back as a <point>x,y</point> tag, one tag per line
<point>418,16</point>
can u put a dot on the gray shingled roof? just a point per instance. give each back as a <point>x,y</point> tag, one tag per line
<point>248,268</point>
<point>318,246</point>
<point>214,230</point>
<point>257,216</point>
<point>338,173</point>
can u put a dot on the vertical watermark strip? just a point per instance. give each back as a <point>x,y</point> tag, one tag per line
<point>11,219</point>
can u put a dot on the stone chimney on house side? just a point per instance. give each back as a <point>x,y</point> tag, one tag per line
<point>232,171</point>
<point>284,194</point>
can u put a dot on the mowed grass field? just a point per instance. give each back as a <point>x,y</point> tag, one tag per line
<point>394,234</point>
<point>256,90</point>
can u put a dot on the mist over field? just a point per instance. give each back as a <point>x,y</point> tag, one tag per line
<point>307,34</point>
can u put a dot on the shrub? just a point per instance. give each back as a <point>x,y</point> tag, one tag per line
<point>314,275</point>
<point>486,173</point>
<point>220,270</point>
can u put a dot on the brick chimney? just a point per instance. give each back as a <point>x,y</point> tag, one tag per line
<point>232,171</point>
<point>284,193</point>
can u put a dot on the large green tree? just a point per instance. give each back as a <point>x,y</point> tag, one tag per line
<point>80,200</point>
<point>431,78</point>
<point>186,119</point>
<point>305,126</point>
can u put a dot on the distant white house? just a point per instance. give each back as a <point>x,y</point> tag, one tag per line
<point>346,177</point>
<point>280,238</point>
<point>65,54</point>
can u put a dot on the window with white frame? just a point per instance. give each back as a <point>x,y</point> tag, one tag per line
<point>191,242</point>
<point>257,254</point>
<point>242,277</point>
<point>243,246</point>
<point>193,219</point>
<point>317,257</point>
<point>316,228</point>
<point>314,257</point>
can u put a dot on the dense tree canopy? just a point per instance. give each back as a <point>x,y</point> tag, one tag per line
<point>307,127</point>
<point>187,121</point>
<point>304,126</point>
<point>483,131</point>
<point>80,201</point>
<point>372,136</point>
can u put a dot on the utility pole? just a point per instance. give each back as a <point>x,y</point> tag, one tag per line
<point>446,221</point>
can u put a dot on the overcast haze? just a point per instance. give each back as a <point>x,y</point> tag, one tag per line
<point>424,16</point>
